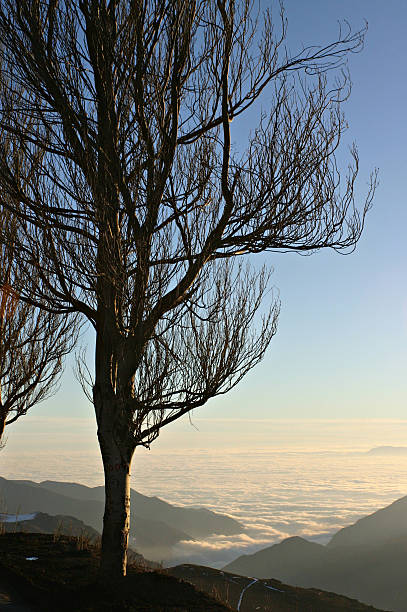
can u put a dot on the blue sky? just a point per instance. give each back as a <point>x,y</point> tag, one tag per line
<point>341,347</point>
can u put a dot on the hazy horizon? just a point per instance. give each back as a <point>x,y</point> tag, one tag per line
<point>313,478</point>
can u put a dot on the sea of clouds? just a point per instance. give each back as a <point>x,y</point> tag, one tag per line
<point>275,491</point>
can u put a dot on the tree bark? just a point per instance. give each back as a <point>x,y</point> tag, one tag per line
<point>116,458</point>
<point>2,425</point>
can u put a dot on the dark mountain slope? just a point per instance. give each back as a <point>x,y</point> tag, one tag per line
<point>284,561</point>
<point>148,536</point>
<point>197,522</point>
<point>385,524</point>
<point>57,525</point>
<point>155,527</point>
<point>374,575</point>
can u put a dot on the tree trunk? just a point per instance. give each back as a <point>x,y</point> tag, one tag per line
<point>116,521</point>
<point>2,425</point>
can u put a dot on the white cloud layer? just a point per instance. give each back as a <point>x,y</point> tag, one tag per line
<point>274,493</point>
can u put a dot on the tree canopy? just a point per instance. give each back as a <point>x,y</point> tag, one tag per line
<point>135,206</point>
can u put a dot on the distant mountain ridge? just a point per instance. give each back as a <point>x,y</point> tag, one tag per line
<point>375,529</point>
<point>40,522</point>
<point>284,561</point>
<point>365,561</point>
<point>388,450</point>
<point>196,522</point>
<point>154,530</point>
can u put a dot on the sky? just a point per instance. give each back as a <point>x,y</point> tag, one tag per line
<point>340,351</point>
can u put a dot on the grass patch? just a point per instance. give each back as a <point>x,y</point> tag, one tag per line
<point>65,577</point>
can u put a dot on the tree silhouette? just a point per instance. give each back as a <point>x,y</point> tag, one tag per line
<point>136,205</point>
<point>33,342</point>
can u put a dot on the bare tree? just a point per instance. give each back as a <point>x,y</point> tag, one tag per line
<point>139,203</point>
<point>33,342</point>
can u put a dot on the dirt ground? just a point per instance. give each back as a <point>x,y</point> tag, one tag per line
<point>11,602</point>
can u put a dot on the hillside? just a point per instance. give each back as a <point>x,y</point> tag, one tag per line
<point>288,560</point>
<point>40,522</point>
<point>197,522</point>
<point>365,561</point>
<point>373,576</point>
<point>61,575</point>
<point>375,529</point>
<point>156,526</point>
<point>249,595</point>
